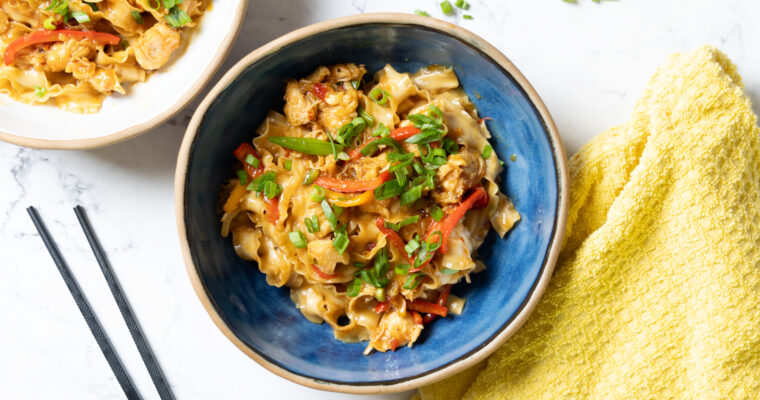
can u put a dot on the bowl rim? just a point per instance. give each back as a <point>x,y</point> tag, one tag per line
<point>135,130</point>
<point>550,258</point>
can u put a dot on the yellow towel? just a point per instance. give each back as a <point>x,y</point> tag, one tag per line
<point>656,294</point>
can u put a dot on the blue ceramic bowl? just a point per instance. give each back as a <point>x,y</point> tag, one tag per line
<point>260,319</point>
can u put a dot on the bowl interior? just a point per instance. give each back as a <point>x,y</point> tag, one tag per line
<point>164,90</point>
<point>263,317</point>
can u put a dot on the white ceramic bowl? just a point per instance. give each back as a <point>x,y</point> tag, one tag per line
<point>146,104</point>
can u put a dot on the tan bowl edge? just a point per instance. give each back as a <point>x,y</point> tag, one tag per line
<point>299,34</point>
<point>136,130</point>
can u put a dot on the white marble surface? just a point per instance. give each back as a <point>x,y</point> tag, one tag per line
<point>588,61</point>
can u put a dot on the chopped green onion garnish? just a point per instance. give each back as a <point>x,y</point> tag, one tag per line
<point>388,189</point>
<point>450,145</point>
<point>298,239</point>
<point>449,271</point>
<point>338,210</point>
<point>380,294</point>
<point>402,269</point>
<point>272,189</point>
<point>355,85</point>
<point>369,119</point>
<point>406,221</point>
<point>59,7</point>
<point>413,280</point>
<point>501,163</point>
<point>487,151</point>
<point>138,18</point>
<point>177,17</point>
<point>354,288</point>
<point>80,17</point>
<point>312,224</point>
<point>315,147</point>
<point>467,16</point>
<point>242,176</point>
<point>343,156</point>
<point>341,241</point>
<point>310,177</point>
<point>258,184</point>
<point>417,167</point>
<point>334,149</point>
<point>436,213</point>
<point>171,3</point>
<point>317,193</point>
<point>350,130</point>
<point>411,246</point>
<point>288,164</point>
<point>411,195</point>
<point>371,147</point>
<point>381,130</point>
<point>93,6</point>
<point>357,264</point>
<point>446,7</point>
<point>329,214</point>
<point>379,96</point>
<point>39,91</point>
<point>420,12</point>
<point>462,4</point>
<point>401,176</point>
<point>48,23</point>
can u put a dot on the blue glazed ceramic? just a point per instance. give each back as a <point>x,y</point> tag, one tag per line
<point>261,319</point>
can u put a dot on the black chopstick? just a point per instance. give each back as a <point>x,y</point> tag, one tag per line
<point>84,307</point>
<point>126,311</point>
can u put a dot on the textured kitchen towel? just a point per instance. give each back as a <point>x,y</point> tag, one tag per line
<point>656,293</point>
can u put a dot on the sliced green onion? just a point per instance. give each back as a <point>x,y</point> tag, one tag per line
<point>340,242</point>
<point>446,7</point>
<point>315,147</point>
<point>310,177</point>
<point>501,163</point>
<point>411,195</point>
<point>80,17</point>
<point>406,221</point>
<point>355,84</point>
<point>369,119</point>
<point>420,12</point>
<point>242,176</point>
<point>39,92</point>
<point>298,239</point>
<point>380,294</point>
<point>358,264</point>
<point>413,280</point>
<point>137,17</point>
<point>426,136</point>
<point>171,3</point>
<point>343,156</point>
<point>402,269</point>
<point>379,96</point>
<point>381,130</point>
<point>255,162</point>
<point>401,176</point>
<point>354,288</point>
<point>487,151</point>
<point>272,189</point>
<point>288,164</point>
<point>430,247</point>
<point>467,16</point>
<point>177,17</point>
<point>93,6</point>
<point>371,147</point>
<point>449,271</point>
<point>417,167</point>
<point>388,189</point>
<point>317,193</point>
<point>411,246</point>
<point>48,23</point>
<point>350,130</point>
<point>329,214</point>
<point>436,213</point>
<point>338,210</point>
<point>462,4</point>
<point>312,224</point>
<point>59,7</point>
<point>257,185</point>
<point>450,145</point>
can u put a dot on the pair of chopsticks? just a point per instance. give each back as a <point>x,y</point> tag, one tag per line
<point>95,327</point>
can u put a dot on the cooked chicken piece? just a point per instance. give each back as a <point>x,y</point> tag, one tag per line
<point>81,68</point>
<point>298,109</point>
<point>106,80</point>
<point>325,255</point>
<point>461,172</point>
<point>395,330</point>
<point>318,75</point>
<point>154,48</point>
<point>59,55</point>
<point>346,72</point>
<point>339,108</point>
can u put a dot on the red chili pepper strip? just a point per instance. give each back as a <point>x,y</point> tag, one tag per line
<point>319,90</point>
<point>392,237</point>
<point>273,209</point>
<point>398,134</point>
<point>346,186</point>
<point>442,298</point>
<point>58,35</point>
<point>241,153</point>
<point>393,343</point>
<point>417,317</point>
<point>381,307</point>
<point>447,224</point>
<point>427,307</point>
<point>322,274</point>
